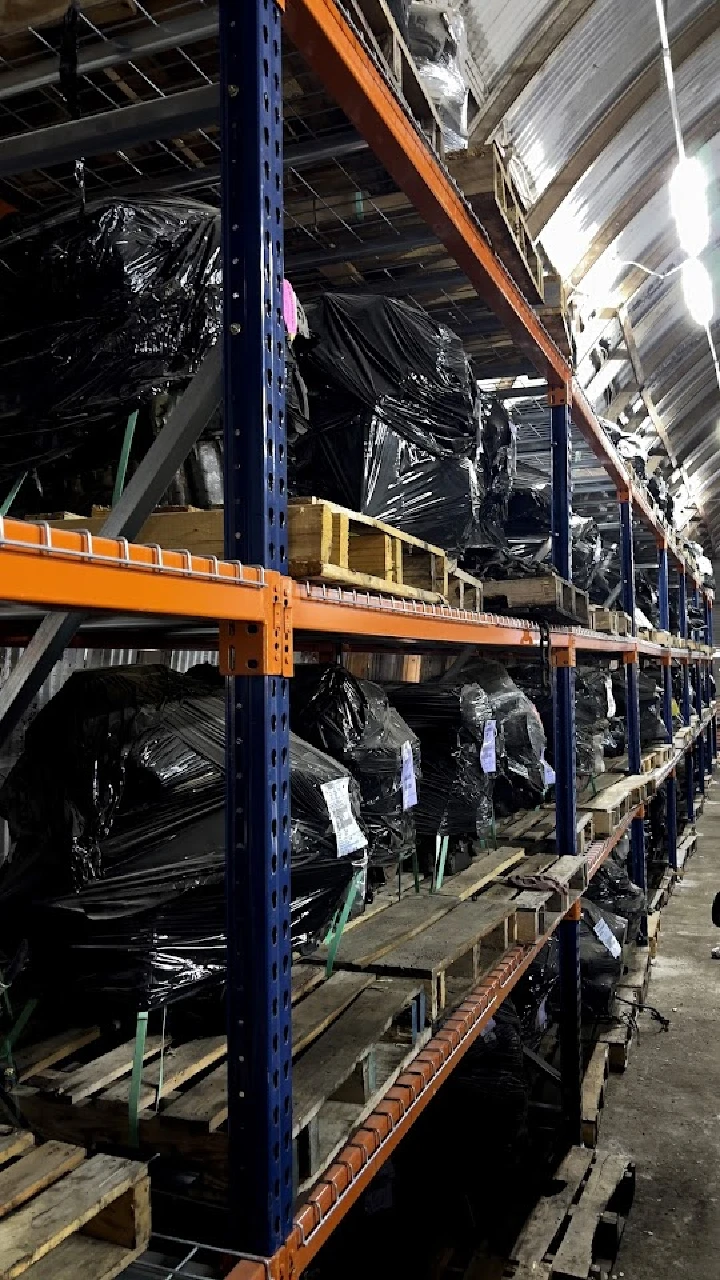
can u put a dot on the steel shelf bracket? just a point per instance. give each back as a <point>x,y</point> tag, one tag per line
<point>261,648</point>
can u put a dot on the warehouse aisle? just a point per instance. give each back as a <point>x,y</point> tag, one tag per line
<point>665,1110</point>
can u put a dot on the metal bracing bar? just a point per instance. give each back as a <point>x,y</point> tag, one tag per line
<point>561,489</point>
<point>116,49</point>
<point>144,490</point>
<point>257,742</point>
<point>637,830</point>
<point>663,591</point>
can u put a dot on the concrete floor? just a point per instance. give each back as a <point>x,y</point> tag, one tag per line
<point>665,1110</point>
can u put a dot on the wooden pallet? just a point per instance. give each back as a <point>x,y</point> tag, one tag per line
<point>662,894</point>
<point>444,943</point>
<point>485,182</point>
<point>464,591</point>
<point>63,1216</point>
<point>381,32</point>
<point>616,796</point>
<point>546,596</point>
<point>686,847</point>
<point>593,1093</point>
<point>654,933</point>
<point>605,620</point>
<point>352,1035</point>
<point>635,981</point>
<point>537,826</point>
<point>327,543</point>
<point>575,1230</point>
<point>617,1032</point>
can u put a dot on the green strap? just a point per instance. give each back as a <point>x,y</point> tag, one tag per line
<point>12,1035</point>
<point>7,503</point>
<point>136,1079</point>
<point>442,844</point>
<point>334,942</point>
<point>124,457</point>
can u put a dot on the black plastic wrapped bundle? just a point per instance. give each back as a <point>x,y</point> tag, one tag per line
<point>612,888</point>
<point>393,423</point>
<point>652,724</point>
<point>594,705</point>
<point>114,303</point>
<point>522,772</point>
<point>352,720</point>
<point>601,966</point>
<point>437,41</point>
<point>453,724</point>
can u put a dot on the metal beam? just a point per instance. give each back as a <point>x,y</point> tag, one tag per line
<point>115,50</point>
<point>171,116</point>
<point>684,43</point>
<point>556,23</point>
<point>144,490</point>
<point>647,186</point>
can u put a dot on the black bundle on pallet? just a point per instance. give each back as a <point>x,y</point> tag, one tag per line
<point>116,874</point>
<point>602,937</point>
<point>393,430</point>
<point>114,303</point>
<point>652,723</point>
<point>611,888</point>
<point>353,721</point>
<point>457,740</point>
<point>594,710</point>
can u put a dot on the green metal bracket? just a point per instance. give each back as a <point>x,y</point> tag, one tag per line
<point>7,503</point>
<point>124,457</point>
<point>442,844</point>
<point>336,929</point>
<point>136,1079</point>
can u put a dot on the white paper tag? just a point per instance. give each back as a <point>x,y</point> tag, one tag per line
<point>409,786</point>
<point>548,773</point>
<point>348,835</point>
<point>611,704</point>
<point>603,931</point>
<point>488,753</point>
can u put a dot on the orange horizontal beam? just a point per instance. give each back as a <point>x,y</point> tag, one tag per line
<point>337,56</point>
<point>61,569</point>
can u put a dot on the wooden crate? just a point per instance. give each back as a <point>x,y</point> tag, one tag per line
<point>63,1216</point>
<point>574,1232</point>
<point>464,591</point>
<point>537,826</point>
<point>605,620</point>
<point>327,543</point>
<point>616,795</point>
<point>352,1035</point>
<point>546,596</point>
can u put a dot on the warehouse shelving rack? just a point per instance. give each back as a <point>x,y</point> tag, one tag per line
<point>259,610</point>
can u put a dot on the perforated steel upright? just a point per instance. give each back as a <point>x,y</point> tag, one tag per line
<point>565,807</point>
<point>637,830</point>
<point>671,786</point>
<point>257,754</point>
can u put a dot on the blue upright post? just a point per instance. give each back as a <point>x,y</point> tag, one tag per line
<point>257,749</point>
<point>637,830</point>
<point>701,737</point>
<point>670,786</point>
<point>565,805</point>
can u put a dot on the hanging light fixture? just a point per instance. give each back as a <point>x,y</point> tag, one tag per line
<point>688,201</point>
<point>697,288</point>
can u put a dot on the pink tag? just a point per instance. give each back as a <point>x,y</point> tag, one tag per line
<point>289,308</point>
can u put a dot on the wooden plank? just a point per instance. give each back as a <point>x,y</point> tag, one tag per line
<point>593,1094</point>
<point>318,1010</point>
<point>328,1063</point>
<point>15,1142</point>
<point>204,1104</point>
<point>574,1256</point>
<point>401,921</point>
<point>63,1209</point>
<point>35,1171</point>
<point>172,1070</point>
<point>80,1255</point>
<point>546,1219</point>
<point>38,1057</point>
<point>481,872</point>
<point>531,906</point>
<point>303,978</point>
<point>448,939</point>
<point>95,1075</point>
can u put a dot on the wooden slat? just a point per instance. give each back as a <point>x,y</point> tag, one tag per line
<point>205,1103</point>
<point>481,872</point>
<point>329,1062</point>
<point>63,1209</point>
<point>402,920</point>
<point>95,1075</point>
<point>15,1143</point>
<point>82,1258</point>
<point>35,1171</point>
<point>177,1067</point>
<point>318,1010</point>
<point>546,1219</point>
<point>449,938</point>
<point>38,1057</point>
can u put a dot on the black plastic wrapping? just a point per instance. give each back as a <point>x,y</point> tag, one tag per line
<point>437,41</point>
<point>522,771</point>
<point>594,707</point>
<point>652,723</point>
<point>114,304</point>
<point>117,873</point>
<point>456,789</point>
<point>611,888</point>
<point>353,722</point>
<point>600,971</point>
<point>393,422</point>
